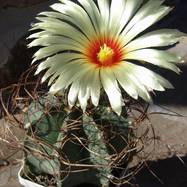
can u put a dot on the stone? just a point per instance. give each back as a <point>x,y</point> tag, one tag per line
<point>170,132</point>
<point>5,174</point>
<point>19,3</point>
<point>15,23</point>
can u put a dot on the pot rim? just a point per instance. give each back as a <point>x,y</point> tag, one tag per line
<point>25,182</point>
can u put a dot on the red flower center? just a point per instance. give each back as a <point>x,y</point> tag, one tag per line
<point>104,52</point>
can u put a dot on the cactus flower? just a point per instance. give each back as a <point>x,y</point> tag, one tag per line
<point>89,46</point>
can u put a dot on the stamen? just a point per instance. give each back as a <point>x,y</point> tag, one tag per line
<point>105,55</point>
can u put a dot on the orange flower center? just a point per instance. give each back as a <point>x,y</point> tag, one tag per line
<point>104,52</point>
<point>105,55</point>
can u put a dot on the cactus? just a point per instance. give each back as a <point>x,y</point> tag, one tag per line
<point>71,148</point>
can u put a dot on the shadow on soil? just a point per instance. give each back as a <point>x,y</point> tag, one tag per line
<point>175,96</point>
<point>170,172</point>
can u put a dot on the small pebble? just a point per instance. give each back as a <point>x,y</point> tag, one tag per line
<point>4,163</point>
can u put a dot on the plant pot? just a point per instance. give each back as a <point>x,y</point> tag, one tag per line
<point>25,182</point>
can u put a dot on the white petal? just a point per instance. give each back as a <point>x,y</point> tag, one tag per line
<point>117,9</point>
<point>95,87</point>
<point>69,74</point>
<point>62,29</point>
<point>110,86</point>
<point>51,32</point>
<point>58,60</point>
<point>144,24</point>
<point>93,11</point>
<point>140,88</point>
<point>85,83</point>
<point>105,15</point>
<point>159,38</point>
<point>125,82</point>
<point>51,14</point>
<point>75,14</point>
<point>52,50</point>
<point>165,83</point>
<point>80,88</point>
<point>130,8</point>
<point>147,9</point>
<point>156,57</point>
<point>145,76</point>
<point>56,64</point>
<point>73,93</point>
<point>52,40</point>
<point>67,68</point>
<point>39,34</point>
<point>83,95</point>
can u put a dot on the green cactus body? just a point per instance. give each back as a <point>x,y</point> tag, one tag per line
<point>72,148</point>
